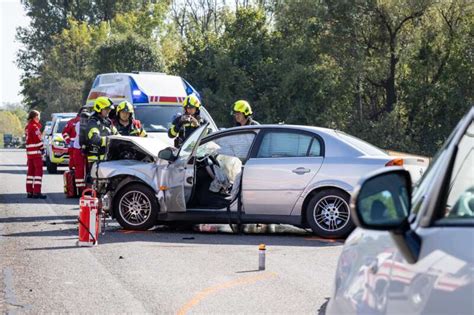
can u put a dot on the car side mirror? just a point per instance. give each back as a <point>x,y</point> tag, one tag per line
<point>168,154</point>
<point>383,202</point>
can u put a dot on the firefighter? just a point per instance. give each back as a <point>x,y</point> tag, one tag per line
<point>34,155</point>
<point>243,114</point>
<point>126,123</point>
<point>185,124</point>
<point>99,127</point>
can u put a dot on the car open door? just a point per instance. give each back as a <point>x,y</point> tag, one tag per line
<point>177,178</point>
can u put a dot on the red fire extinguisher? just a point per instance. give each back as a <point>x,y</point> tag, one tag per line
<point>88,218</point>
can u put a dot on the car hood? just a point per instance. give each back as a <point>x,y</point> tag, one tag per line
<point>150,146</point>
<point>163,136</point>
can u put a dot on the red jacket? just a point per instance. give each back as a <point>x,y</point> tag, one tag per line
<point>34,144</point>
<point>69,131</point>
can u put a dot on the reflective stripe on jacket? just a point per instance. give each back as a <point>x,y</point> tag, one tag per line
<point>134,128</point>
<point>69,131</point>
<point>98,129</point>
<point>182,130</point>
<point>34,144</point>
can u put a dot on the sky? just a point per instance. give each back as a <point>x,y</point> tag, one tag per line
<point>12,15</point>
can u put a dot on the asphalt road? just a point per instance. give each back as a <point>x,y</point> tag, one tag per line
<point>158,271</point>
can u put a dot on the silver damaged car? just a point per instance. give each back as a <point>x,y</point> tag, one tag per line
<point>284,174</point>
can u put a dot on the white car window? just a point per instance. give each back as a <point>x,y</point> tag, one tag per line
<point>237,145</point>
<point>460,201</point>
<point>284,144</point>
<point>188,145</point>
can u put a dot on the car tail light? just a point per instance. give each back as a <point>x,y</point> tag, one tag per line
<point>395,162</point>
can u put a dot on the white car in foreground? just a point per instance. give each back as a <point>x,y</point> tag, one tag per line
<point>413,253</point>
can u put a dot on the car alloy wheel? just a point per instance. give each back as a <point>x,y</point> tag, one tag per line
<point>135,207</point>
<point>327,213</point>
<point>331,213</point>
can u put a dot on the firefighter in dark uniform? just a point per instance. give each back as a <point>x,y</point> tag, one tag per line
<point>126,123</point>
<point>99,127</point>
<point>185,124</point>
<point>243,114</point>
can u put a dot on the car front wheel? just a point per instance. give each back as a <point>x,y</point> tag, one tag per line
<point>328,214</point>
<point>136,207</point>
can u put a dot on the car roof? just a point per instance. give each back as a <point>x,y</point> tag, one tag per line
<point>328,131</point>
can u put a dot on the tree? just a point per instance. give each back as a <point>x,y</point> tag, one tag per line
<point>125,54</point>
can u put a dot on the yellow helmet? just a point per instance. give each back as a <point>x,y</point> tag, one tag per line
<point>101,103</point>
<point>192,101</point>
<point>243,107</point>
<point>125,106</point>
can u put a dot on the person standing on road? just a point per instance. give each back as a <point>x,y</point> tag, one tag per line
<point>243,114</point>
<point>34,156</point>
<point>99,127</point>
<point>76,157</point>
<point>126,123</point>
<point>185,124</point>
<point>69,135</point>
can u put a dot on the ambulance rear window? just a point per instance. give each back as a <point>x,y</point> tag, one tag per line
<point>156,118</point>
<point>163,85</point>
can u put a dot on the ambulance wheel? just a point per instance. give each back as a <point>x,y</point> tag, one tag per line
<point>136,207</point>
<point>51,167</point>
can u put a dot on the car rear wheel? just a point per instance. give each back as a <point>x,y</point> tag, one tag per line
<point>51,167</point>
<point>136,207</point>
<point>328,214</point>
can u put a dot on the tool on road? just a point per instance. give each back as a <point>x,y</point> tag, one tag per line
<point>261,257</point>
<point>89,218</point>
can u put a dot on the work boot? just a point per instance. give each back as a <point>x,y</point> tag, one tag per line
<point>40,196</point>
<point>29,195</point>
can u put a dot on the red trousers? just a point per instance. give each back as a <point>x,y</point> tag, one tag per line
<point>79,162</point>
<point>71,159</point>
<point>34,175</point>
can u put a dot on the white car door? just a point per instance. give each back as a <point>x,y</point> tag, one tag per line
<point>173,179</point>
<point>421,266</point>
<point>284,163</point>
<point>442,279</point>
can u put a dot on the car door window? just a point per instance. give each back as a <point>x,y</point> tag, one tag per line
<point>284,144</point>
<point>315,149</point>
<point>460,199</point>
<point>237,145</point>
<point>188,146</point>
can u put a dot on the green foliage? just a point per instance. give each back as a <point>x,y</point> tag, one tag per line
<point>396,73</point>
<point>125,54</point>
<point>11,122</point>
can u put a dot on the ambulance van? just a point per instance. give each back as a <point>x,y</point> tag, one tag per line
<point>156,98</point>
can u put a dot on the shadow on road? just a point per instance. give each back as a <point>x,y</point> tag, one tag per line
<point>163,235</point>
<point>165,238</point>
<point>62,218</point>
<point>16,172</point>
<point>14,165</point>
<point>44,233</point>
<point>53,198</point>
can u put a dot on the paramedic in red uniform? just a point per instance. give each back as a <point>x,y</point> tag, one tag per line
<point>34,148</point>
<point>69,133</point>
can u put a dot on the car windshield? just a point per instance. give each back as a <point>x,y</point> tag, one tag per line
<point>156,118</point>
<point>60,126</point>
<point>363,146</point>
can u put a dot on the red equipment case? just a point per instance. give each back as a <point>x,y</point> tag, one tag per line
<point>69,184</point>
